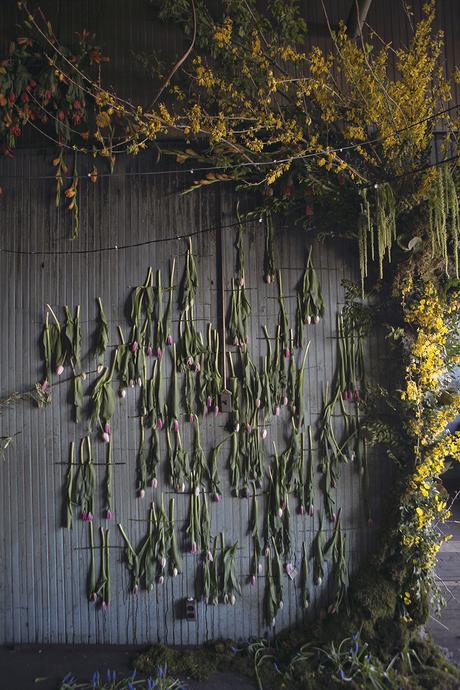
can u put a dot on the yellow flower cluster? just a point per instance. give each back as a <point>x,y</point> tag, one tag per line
<point>423,503</point>
<point>223,33</point>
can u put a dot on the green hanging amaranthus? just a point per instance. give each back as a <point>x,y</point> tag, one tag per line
<point>365,236</point>
<point>103,400</point>
<point>304,589</point>
<point>444,216</point>
<point>269,252</point>
<point>335,548</point>
<point>310,305</point>
<point>102,334</point>
<point>84,481</point>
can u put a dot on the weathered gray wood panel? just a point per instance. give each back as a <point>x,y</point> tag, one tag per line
<point>42,566</point>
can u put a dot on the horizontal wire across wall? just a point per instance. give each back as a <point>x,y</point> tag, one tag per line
<point>43,567</point>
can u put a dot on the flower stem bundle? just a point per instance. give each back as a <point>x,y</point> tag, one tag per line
<point>318,555</point>
<point>85,480</point>
<point>310,305</point>
<point>269,252</point>
<point>102,334</point>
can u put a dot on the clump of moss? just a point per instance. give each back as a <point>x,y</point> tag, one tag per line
<point>198,663</point>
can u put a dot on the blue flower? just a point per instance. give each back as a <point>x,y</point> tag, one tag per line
<point>109,675</point>
<point>355,636</point>
<point>134,674</point>
<point>161,671</point>
<point>96,679</point>
<point>114,676</point>
<point>68,678</point>
<point>130,686</point>
<point>233,650</point>
<point>151,684</point>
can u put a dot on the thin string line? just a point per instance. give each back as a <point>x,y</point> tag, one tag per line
<point>195,233</point>
<point>255,164</point>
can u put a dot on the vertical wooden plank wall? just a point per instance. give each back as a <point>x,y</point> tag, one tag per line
<point>43,567</point>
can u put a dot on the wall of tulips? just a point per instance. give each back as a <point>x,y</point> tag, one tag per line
<point>171,457</point>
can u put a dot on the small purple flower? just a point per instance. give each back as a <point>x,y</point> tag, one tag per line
<point>142,493</point>
<point>287,353</point>
<point>216,410</point>
<point>154,483</point>
<point>159,352</point>
<point>301,510</point>
<point>159,423</point>
<point>93,597</point>
<point>253,580</point>
<point>209,402</point>
<point>104,606</point>
<point>169,340</point>
<point>89,517</point>
<point>149,351</point>
<point>263,434</point>
<point>277,411</point>
<point>175,426</point>
<point>312,510</point>
<point>106,437</point>
<point>248,428</point>
<point>135,589</point>
<point>45,385</point>
<point>84,515</point>
<point>194,548</point>
<point>134,345</point>
<point>59,370</point>
<point>217,498</point>
<point>108,514</point>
